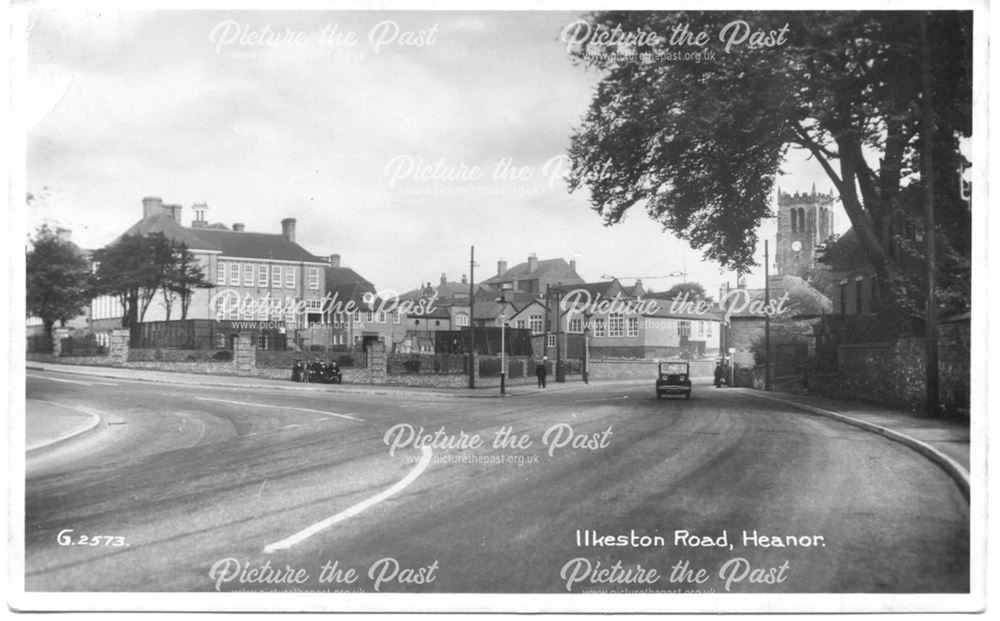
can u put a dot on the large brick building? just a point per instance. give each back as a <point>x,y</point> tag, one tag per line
<point>284,281</point>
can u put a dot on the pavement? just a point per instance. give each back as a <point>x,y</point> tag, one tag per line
<point>52,423</point>
<point>233,381</point>
<point>944,441</point>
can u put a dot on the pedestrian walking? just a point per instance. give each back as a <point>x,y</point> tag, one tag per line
<point>541,372</point>
<point>719,373</point>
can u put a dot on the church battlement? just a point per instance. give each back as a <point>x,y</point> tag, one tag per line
<point>806,198</point>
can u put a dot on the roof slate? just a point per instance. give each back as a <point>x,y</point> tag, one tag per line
<point>229,243</point>
<point>550,268</point>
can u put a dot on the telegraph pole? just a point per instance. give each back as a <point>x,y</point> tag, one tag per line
<point>927,176</point>
<point>767,319</point>
<point>560,372</point>
<point>545,326</point>
<point>472,323</point>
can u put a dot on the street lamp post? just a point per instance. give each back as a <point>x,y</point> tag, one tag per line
<point>503,353</point>
<point>503,336</point>
<point>560,368</point>
<point>767,320</point>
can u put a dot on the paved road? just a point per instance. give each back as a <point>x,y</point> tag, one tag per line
<point>282,483</point>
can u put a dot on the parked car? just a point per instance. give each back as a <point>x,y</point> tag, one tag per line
<point>325,373</point>
<point>674,378</point>
<point>317,372</point>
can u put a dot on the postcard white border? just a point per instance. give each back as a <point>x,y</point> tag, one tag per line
<point>552,603</point>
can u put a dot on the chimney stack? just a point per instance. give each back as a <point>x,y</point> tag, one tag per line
<point>199,221</point>
<point>151,206</point>
<point>444,278</point>
<point>501,267</point>
<point>334,260</point>
<point>288,229</point>
<point>64,235</point>
<point>238,226</point>
<point>532,263</point>
<point>174,211</point>
<point>572,265</point>
<point>465,280</point>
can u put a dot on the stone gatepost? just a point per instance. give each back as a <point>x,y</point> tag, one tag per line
<point>58,334</point>
<point>475,369</point>
<point>245,354</point>
<point>118,347</point>
<point>377,363</point>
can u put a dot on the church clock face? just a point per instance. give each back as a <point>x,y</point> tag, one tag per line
<point>796,246</point>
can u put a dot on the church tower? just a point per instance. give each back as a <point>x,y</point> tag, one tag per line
<point>804,222</point>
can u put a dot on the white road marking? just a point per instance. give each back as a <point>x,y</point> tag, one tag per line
<point>66,381</point>
<point>304,534</point>
<point>282,407</point>
<point>201,432</point>
<point>604,399</point>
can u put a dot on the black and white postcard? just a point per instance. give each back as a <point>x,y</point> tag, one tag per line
<point>466,307</point>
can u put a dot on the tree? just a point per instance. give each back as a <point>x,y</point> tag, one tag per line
<point>699,143</point>
<point>184,276</point>
<point>124,270</point>
<point>58,279</point>
<point>693,290</point>
<point>136,268</point>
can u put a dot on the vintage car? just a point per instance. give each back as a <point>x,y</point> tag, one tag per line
<point>674,378</point>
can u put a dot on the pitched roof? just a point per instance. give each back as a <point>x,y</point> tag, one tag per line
<point>712,314</point>
<point>549,268</point>
<point>436,312</point>
<point>448,290</point>
<point>255,245</point>
<point>229,243</point>
<point>338,276</point>
<point>162,223</point>
<point>604,289</point>
<point>805,298</point>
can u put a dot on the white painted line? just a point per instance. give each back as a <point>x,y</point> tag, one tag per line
<point>95,421</point>
<point>66,381</point>
<point>304,534</point>
<point>604,399</point>
<point>282,407</point>
<point>201,432</point>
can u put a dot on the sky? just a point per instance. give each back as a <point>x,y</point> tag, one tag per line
<point>397,140</point>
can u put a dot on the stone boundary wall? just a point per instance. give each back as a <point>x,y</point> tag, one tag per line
<point>174,355</point>
<point>642,369</point>
<point>894,374</point>
<point>244,363</point>
<point>890,374</point>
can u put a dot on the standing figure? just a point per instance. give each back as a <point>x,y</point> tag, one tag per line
<point>541,372</point>
<point>719,373</point>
